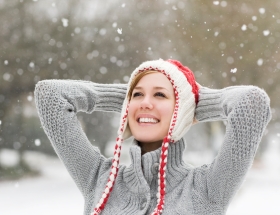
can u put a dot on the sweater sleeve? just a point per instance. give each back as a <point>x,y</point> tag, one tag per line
<point>246,110</point>
<point>58,102</point>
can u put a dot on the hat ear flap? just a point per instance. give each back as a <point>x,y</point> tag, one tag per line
<point>127,132</point>
<point>124,129</point>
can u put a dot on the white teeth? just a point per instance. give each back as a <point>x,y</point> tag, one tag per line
<point>152,120</point>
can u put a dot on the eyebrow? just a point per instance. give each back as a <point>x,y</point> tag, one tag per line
<point>158,88</point>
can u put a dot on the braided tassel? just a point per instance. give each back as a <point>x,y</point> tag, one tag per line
<point>161,177</point>
<point>163,156</point>
<point>111,181</point>
<point>114,170</point>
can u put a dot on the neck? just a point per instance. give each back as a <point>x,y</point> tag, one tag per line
<point>148,147</point>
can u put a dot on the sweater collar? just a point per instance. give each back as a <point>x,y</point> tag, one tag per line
<point>143,170</point>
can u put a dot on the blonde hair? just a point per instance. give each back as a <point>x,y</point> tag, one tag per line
<point>136,79</point>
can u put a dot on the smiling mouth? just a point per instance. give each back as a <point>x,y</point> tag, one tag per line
<point>147,120</point>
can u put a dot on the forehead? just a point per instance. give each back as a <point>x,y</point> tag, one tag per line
<point>155,78</point>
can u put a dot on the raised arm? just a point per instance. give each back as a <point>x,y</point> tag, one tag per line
<point>58,102</point>
<point>247,111</point>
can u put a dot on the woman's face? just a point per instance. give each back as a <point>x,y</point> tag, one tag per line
<point>151,108</point>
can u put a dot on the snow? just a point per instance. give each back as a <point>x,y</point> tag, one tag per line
<point>37,142</point>
<point>64,22</point>
<point>260,62</point>
<point>233,70</point>
<point>55,193</point>
<point>254,18</point>
<point>7,76</point>
<point>262,10</point>
<point>260,195</point>
<point>223,3</point>
<point>266,32</point>
<point>216,2</point>
<point>29,98</point>
<point>31,64</point>
<point>8,158</point>
<point>244,27</point>
<point>119,30</point>
<point>114,25</point>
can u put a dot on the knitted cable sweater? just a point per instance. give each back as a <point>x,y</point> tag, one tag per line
<point>205,190</point>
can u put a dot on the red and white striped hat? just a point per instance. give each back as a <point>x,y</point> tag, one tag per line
<point>186,97</point>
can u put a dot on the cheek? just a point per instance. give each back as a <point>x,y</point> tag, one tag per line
<point>167,111</point>
<point>131,110</point>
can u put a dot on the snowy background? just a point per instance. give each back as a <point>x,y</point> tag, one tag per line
<point>55,193</point>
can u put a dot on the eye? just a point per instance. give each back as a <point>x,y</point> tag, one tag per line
<point>160,94</point>
<point>136,94</point>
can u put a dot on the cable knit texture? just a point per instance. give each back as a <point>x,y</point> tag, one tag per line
<point>206,190</point>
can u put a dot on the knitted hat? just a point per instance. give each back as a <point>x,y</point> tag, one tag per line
<point>186,97</point>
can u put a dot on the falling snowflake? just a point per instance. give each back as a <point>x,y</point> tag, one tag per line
<point>114,24</point>
<point>223,3</point>
<point>244,27</point>
<point>120,30</point>
<point>37,142</point>
<point>262,10</point>
<point>29,98</point>
<point>64,22</point>
<point>266,32</point>
<point>233,70</point>
<point>260,62</point>
<point>31,64</point>
<point>7,76</point>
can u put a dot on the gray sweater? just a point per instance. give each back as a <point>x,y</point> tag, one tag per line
<point>204,190</point>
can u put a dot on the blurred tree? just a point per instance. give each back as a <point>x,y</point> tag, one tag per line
<point>36,46</point>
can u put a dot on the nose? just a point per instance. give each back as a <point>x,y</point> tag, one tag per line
<point>146,103</point>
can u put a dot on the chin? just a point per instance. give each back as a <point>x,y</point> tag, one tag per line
<point>148,140</point>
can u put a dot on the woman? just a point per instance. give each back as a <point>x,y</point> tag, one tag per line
<point>159,104</point>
